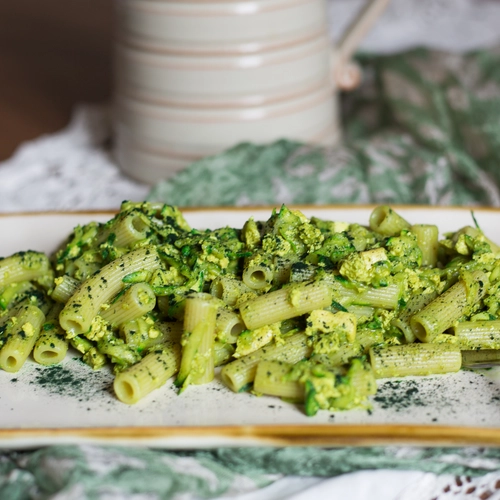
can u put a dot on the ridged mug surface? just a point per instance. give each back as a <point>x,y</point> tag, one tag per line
<point>233,80</point>
<point>247,25</point>
<point>227,126</point>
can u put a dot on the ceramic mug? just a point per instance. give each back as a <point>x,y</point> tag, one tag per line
<point>226,72</point>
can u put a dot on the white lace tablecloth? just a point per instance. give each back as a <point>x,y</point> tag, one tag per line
<point>69,170</point>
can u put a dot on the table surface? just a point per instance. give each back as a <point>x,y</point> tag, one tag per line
<point>53,54</point>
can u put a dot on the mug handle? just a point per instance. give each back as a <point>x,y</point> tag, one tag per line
<point>346,73</point>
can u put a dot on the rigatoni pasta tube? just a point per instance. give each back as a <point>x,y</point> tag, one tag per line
<point>282,268</point>
<point>365,339</point>
<point>126,230</point>
<point>228,289</point>
<point>145,332</point>
<point>478,334</point>
<point>386,221</point>
<point>51,346</point>
<point>415,359</point>
<point>64,287</point>
<point>228,326</point>
<point>23,266</point>
<point>149,374</point>
<point>427,240</point>
<point>223,352</point>
<point>241,372</point>
<point>135,301</point>
<point>480,358</point>
<point>197,362</point>
<point>23,330</point>
<point>270,379</point>
<point>286,303</point>
<point>415,304</point>
<point>83,306</point>
<point>258,273</point>
<point>386,297</point>
<point>449,307</point>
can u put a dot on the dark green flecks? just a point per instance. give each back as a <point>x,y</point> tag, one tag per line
<point>399,395</point>
<point>67,381</point>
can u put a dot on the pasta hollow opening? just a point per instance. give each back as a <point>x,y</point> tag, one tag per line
<point>217,290</point>
<point>419,331</point>
<point>378,217</point>
<point>237,329</point>
<point>49,354</point>
<point>258,277</point>
<point>71,325</point>
<point>126,392</point>
<point>139,225</point>
<point>11,363</point>
<point>229,381</point>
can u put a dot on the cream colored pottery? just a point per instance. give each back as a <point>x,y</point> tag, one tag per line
<point>146,166</point>
<point>247,25</point>
<point>223,80</point>
<point>196,77</point>
<point>228,126</point>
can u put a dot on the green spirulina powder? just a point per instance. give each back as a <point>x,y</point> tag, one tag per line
<point>398,395</point>
<point>61,380</point>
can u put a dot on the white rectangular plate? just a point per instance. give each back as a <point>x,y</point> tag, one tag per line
<point>70,403</point>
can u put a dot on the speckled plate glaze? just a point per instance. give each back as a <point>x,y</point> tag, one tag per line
<point>69,403</point>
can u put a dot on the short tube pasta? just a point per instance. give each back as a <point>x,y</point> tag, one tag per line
<point>447,308</point>
<point>386,221</point>
<point>477,358</point>
<point>145,332</point>
<point>21,337</point>
<point>258,274</point>
<point>241,372</point>
<point>229,290</point>
<point>127,230</point>
<point>64,287</point>
<point>386,297</point>
<point>24,266</point>
<point>51,346</point>
<point>136,382</point>
<point>415,359</point>
<point>415,304</point>
<point>478,334</point>
<point>134,302</point>
<point>228,326</point>
<point>286,303</point>
<point>282,268</point>
<point>83,306</point>
<point>427,240</point>
<point>270,379</point>
<point>197,362</point>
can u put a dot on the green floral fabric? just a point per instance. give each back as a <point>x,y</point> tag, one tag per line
<point>105,472</point>
<point>423,128</point>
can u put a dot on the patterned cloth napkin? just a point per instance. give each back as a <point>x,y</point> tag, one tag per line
<point>423,128</point>
<point>117,473</point>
